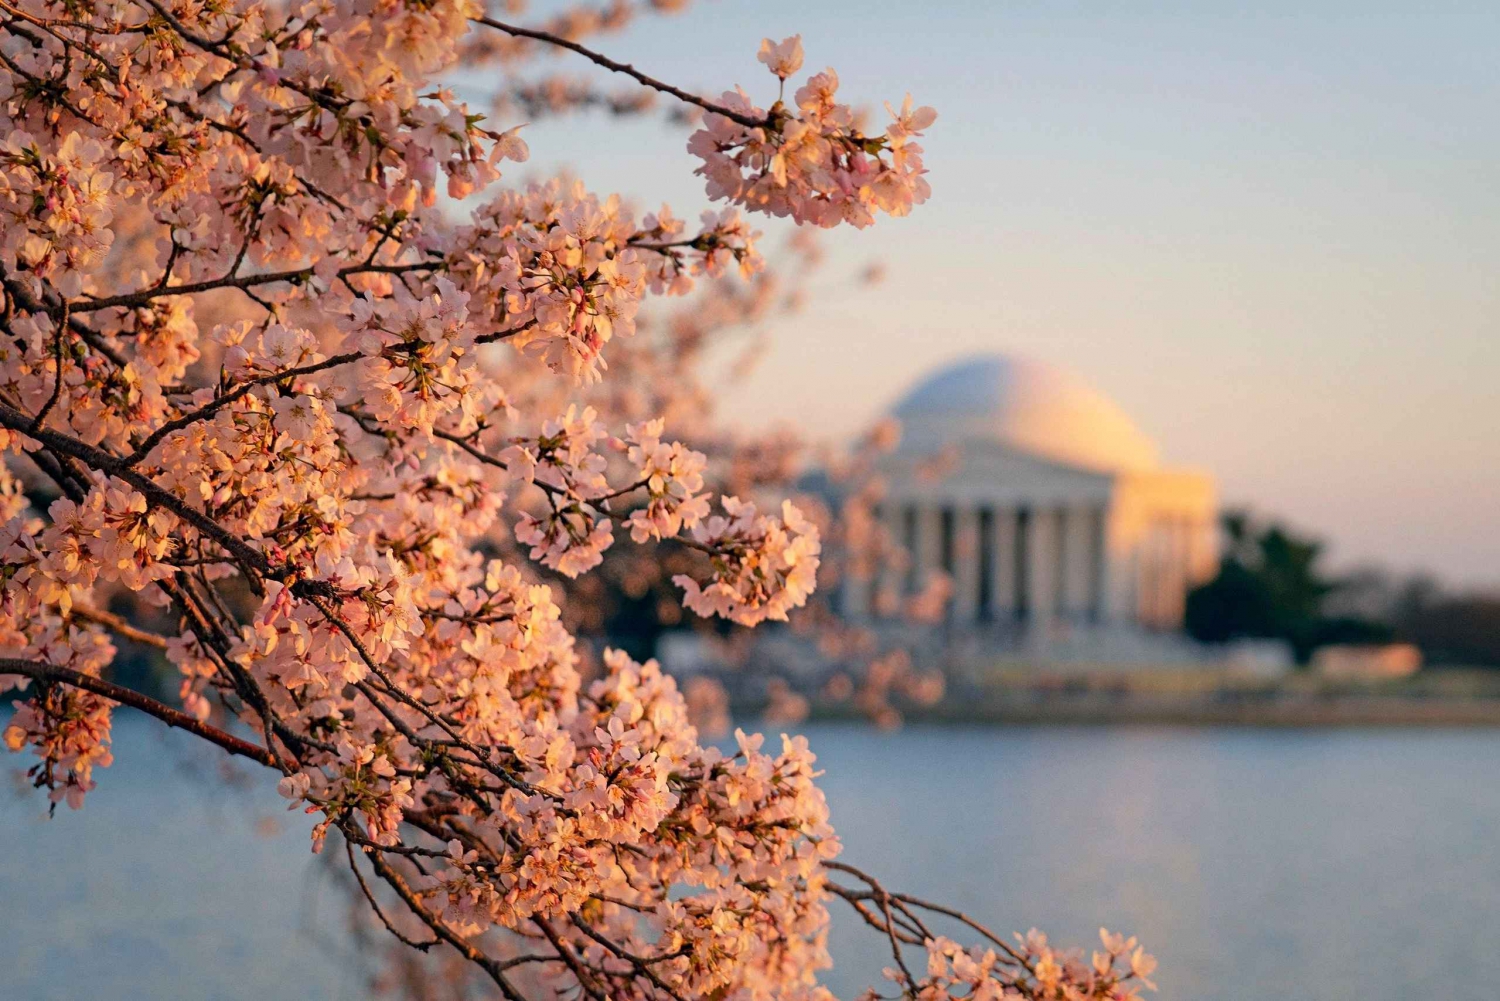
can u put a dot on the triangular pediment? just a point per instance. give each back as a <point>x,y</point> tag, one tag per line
<point>987,471</point>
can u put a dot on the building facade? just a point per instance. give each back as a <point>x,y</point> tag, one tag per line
<point>1046,509</point>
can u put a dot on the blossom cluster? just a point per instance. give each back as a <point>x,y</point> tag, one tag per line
<point>554,268</point>
<point>763,566</point>
<point>571,536</point>
<point>1033,969</point>
<point>672,475</point>
<point>809,160</point>
<point>265,378</point>
<point>66,728</point>
<point>55,201</point>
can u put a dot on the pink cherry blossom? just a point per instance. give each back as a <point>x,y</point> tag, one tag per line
<point>347,419</point>
<point>782,58</point>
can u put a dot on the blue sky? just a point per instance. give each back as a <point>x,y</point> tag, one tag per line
<point>1270,234</point>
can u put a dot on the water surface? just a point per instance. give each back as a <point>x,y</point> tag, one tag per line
<point>1330,865</point>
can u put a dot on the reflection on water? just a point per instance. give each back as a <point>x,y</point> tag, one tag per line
<point>1254,863</point>
<point>1310,864</point>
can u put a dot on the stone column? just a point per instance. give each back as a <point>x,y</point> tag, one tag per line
<point>856,596</point>
<point>926,553</point>
<point>890,580</point>
<point>1041,597</point>
<point>965,566</point>
<point>1099,578</point>
<point>1127,586</point>
<point>1061,557</point>
<point>1077,539</point>
<point>1151,577</point>
<point>1003,565</point>
<point>1156,565</point>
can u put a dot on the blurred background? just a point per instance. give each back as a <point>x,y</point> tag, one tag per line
<point>1156,458</point>
<point>1267,233</point>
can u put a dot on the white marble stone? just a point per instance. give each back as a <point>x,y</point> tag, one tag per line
<point>1023,456</point>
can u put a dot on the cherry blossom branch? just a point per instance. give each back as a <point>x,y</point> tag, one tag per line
<point>880,892</point>
<point>57,369</point>
<point>223,400</point>
<point>50,89</point>
<point>21,296</point>
<point>104,462</point>
<point>118,625</point>
<point>417,689</point>
<point>51,673</point>
<point>130,300</point>
<point>491,967</point>
<point>375,905</point>
<point>480,455</point>
<point>883,898</point>
<point>642,966</point>
<point>618,67</point>
<point>311,592</point>
<point>223,51</point>
<point>474,452</point>
<point>585,979</point>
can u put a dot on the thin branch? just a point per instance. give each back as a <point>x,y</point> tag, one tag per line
<point>41,672</point>
<point>626,68</point>
<point>23,298</point>
<point>220,402</point>
<point>585,979</point>
<point>642,966</point>
<point>907,898</point>
<point>57,361</point>
<point>117,624</point>
<point>375,906</point>
<point>155,495</point>
<point>146,296</point>
<point>469,951</point>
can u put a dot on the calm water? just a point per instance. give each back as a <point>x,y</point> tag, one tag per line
<point>1318,864</point>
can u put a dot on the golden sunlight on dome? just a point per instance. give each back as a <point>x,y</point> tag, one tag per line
<point>1027,405</point>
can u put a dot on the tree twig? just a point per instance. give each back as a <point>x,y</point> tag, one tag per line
<point>630,71</point>
<point>117,624</point>
<point>41,672</point>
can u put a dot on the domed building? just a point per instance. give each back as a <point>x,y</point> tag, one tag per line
<point>1046,507</point>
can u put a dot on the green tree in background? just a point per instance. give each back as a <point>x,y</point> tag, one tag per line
<point>1269,587</point>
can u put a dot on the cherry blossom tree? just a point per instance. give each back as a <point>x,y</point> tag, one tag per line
<point>268,311</point>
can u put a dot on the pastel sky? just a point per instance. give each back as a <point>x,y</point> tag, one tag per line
<point>1270,235</point>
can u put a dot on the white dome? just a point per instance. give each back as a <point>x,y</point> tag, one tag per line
<point>1026,405</point>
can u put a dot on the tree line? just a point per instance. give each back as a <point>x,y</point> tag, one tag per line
<point>1270,585</point>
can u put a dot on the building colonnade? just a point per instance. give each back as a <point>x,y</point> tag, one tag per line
<point>1030,565</point>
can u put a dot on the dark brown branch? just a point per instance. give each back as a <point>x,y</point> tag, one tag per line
<point>473,451</point>
<point>220,402</point>
<point>155,495</point>
<point>906,898</point>
<point>642,966</point>
<point>375,906</point>
<point>118,625</point>
<point>626,68</point>
<point>57,373</point>
<point>51,673</point>
<point>585,978</point>
<point>129,300</point>
<point>856,899</point>
<point>472,953</point>
<point>23,298</point>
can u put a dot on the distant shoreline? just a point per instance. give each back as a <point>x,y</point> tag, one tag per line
<point>1332,713</point>
<point>1462,697</point>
